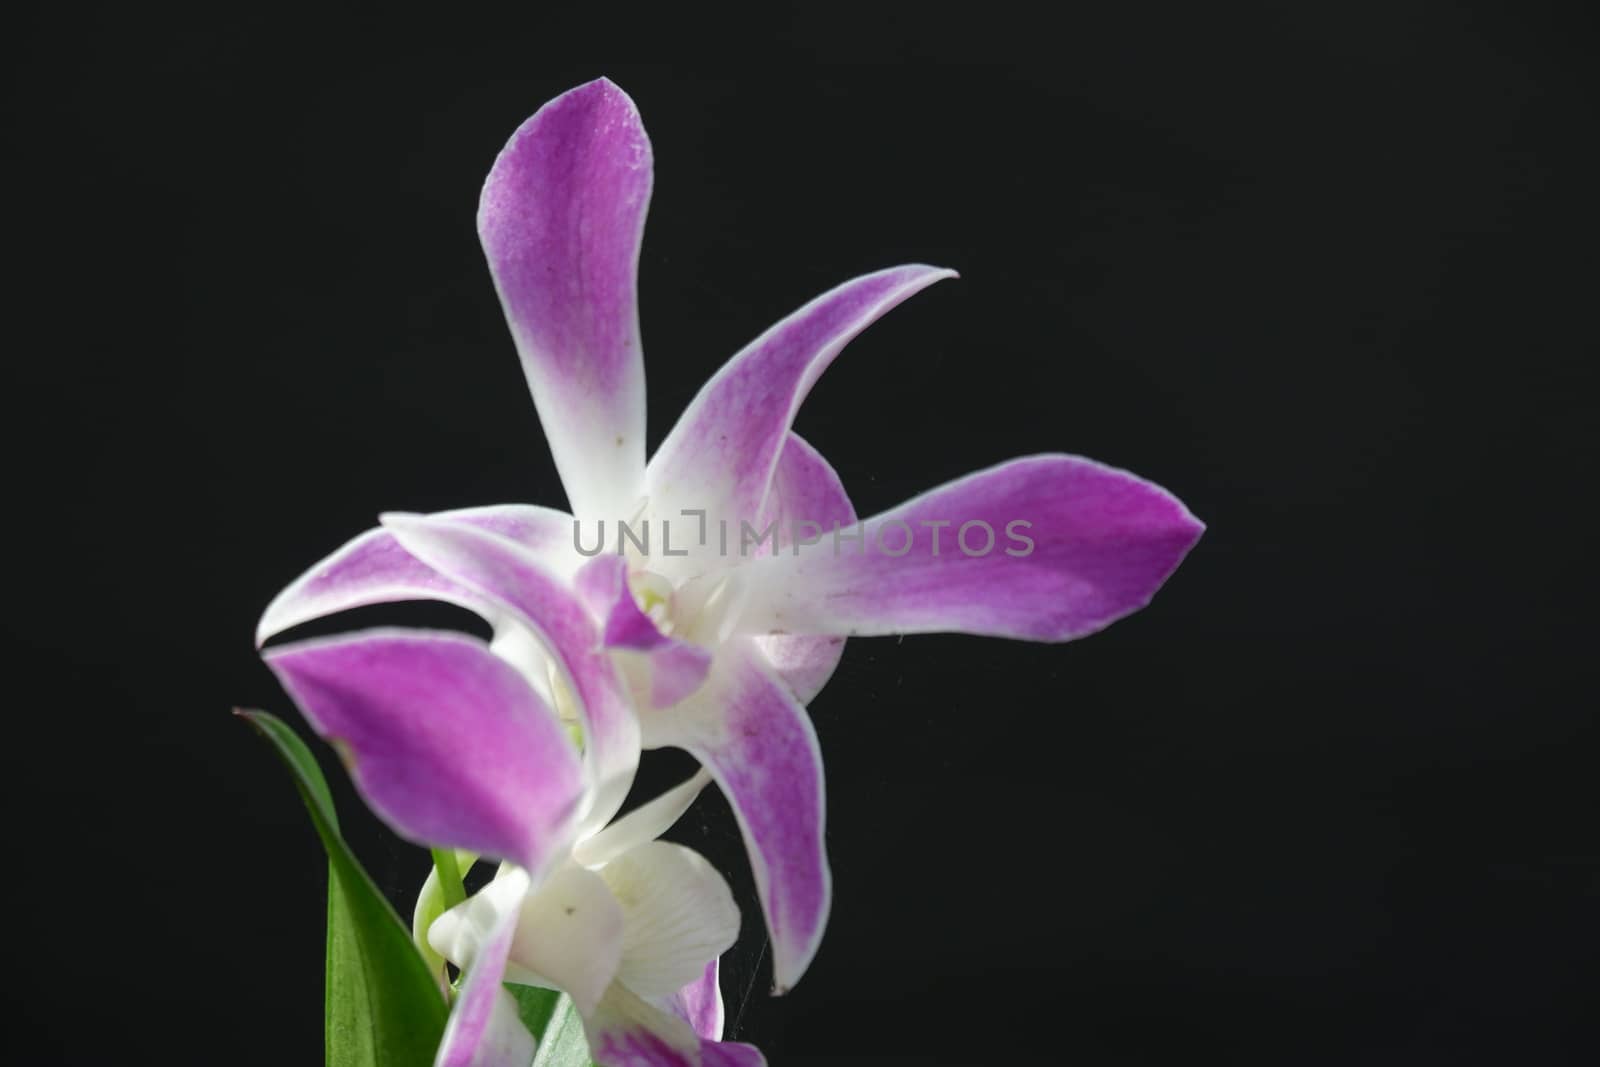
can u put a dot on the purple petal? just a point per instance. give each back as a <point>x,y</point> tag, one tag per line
<point>721,455</point>
<point>561,218</point>
<point>624,1031</point>
<point>632,1045</point>
<point>446,741</point>
<point>628,1032</point>
<point>1044,548</point>
<point>374,569</point>
<point>676,671</point>
<point>746,728</point>
<point>730,1054</point>
<point>677,668</point>
<point>805,662</point>
<point>700,1003</point>
<point>516,583</point>
<point>805,488</point>
<point>484,1028</point>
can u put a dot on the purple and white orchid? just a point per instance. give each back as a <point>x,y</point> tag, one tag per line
<point>451,744</point>
<point>698,644</point>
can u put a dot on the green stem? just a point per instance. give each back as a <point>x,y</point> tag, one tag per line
<point>444,861</point>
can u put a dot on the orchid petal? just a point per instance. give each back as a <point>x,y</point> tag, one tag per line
<point>484,1028</point>
<point>445,741</point>
<point>561,219</point>
<point>374,569</point>
<point>699,1003</point>
<point>746,728</point>
<point>676,668</point>
<point>805,662</point>
<point>625,1031</point>
<point>730,1054</point>
<point>678,912</point>
<point>643,824</point>
<point>570,935</point>
<point>516,583</point>
<point>463,930</point>
<point>721,454</point>
<point>1072,546</point>
<point>805,488</point>
<point>568,931</point>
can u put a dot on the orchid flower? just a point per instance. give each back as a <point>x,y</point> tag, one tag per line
<point>703,643</point>
<point>452,746</point>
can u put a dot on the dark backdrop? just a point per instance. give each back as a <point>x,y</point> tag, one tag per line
<point>1322,271</point>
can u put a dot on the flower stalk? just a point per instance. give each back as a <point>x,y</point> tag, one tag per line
<point>450,885</point>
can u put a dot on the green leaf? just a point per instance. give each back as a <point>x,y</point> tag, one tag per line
<point>383,1008</point>
<point>557,1025</point>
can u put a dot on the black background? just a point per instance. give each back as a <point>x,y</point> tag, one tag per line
<point>1325,271</point>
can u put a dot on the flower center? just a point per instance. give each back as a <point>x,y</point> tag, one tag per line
<point>701,609</point>
<point>654,595</point>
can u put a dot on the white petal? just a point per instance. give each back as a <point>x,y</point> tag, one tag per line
<point>460,932</point>
<point>570,935</point>
<point>643,824</point>
<point>678,916</point>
